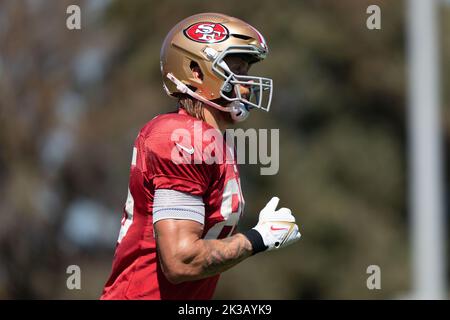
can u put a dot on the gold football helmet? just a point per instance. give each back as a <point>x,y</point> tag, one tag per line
<point>205,40</point>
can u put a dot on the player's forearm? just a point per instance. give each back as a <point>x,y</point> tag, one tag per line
<point>210,257</point>
<point>220,255</point>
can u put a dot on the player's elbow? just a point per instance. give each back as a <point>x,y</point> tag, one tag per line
<point>173,277</point>
<point>177,274</point>
<point>180,268</point>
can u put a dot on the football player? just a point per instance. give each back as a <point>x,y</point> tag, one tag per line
<point>179,226</point>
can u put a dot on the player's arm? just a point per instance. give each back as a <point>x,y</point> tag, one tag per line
<point>184,256</point>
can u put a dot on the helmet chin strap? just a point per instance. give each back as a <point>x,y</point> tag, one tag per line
<point>238,110</point>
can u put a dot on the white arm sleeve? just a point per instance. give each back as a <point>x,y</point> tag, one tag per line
<point>171,204</point>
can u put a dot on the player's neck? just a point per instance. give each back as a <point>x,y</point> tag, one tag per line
<point>215,118</point>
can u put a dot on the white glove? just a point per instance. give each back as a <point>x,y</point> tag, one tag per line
<point>277,227</point>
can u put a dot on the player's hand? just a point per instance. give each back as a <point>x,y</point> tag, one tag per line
<point>277,227</point>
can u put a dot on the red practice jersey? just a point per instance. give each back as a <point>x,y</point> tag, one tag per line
<point>164,158</point>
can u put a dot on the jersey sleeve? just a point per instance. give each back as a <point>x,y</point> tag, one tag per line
<point>175,168</point>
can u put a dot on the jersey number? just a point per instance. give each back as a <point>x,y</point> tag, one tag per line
<point>127,219</point>
<point>231,217</point>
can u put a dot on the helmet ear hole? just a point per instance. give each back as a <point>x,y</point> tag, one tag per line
<point>196,71</point>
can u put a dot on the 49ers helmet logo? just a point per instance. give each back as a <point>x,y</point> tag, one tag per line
<point>207,32</point>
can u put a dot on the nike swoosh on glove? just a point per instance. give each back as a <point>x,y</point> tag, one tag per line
<point>277,227</point>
